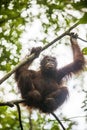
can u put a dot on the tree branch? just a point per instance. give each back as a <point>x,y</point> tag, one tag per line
<point>58,120</point>
<point>19,116</point>
<point>32,57</point>
<point>12,103</point>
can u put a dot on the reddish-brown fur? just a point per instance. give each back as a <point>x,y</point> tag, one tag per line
<point>43,89</point>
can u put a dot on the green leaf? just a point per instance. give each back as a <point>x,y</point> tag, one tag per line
<point>83,20</point>
<point>84,51</point>
<point>55,126</point>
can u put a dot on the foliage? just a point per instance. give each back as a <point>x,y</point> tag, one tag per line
<point>11,26</point>
<point>84,51</point>
<point>83,20</point>
<point>8,119</point>
<point>54,16</point>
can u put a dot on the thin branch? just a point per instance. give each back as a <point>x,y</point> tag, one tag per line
<point>58,120</point>
<point>7,104</point>
<point>32,57</point>
<point>70,118</point>
<point>19,116</point>
<point>30,120</point>
<point>12,103</point>
<point>81,39</point>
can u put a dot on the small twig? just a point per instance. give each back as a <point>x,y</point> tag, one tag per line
<point>19,116</point>
<point>58,121</point>
<point>81,39</point>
